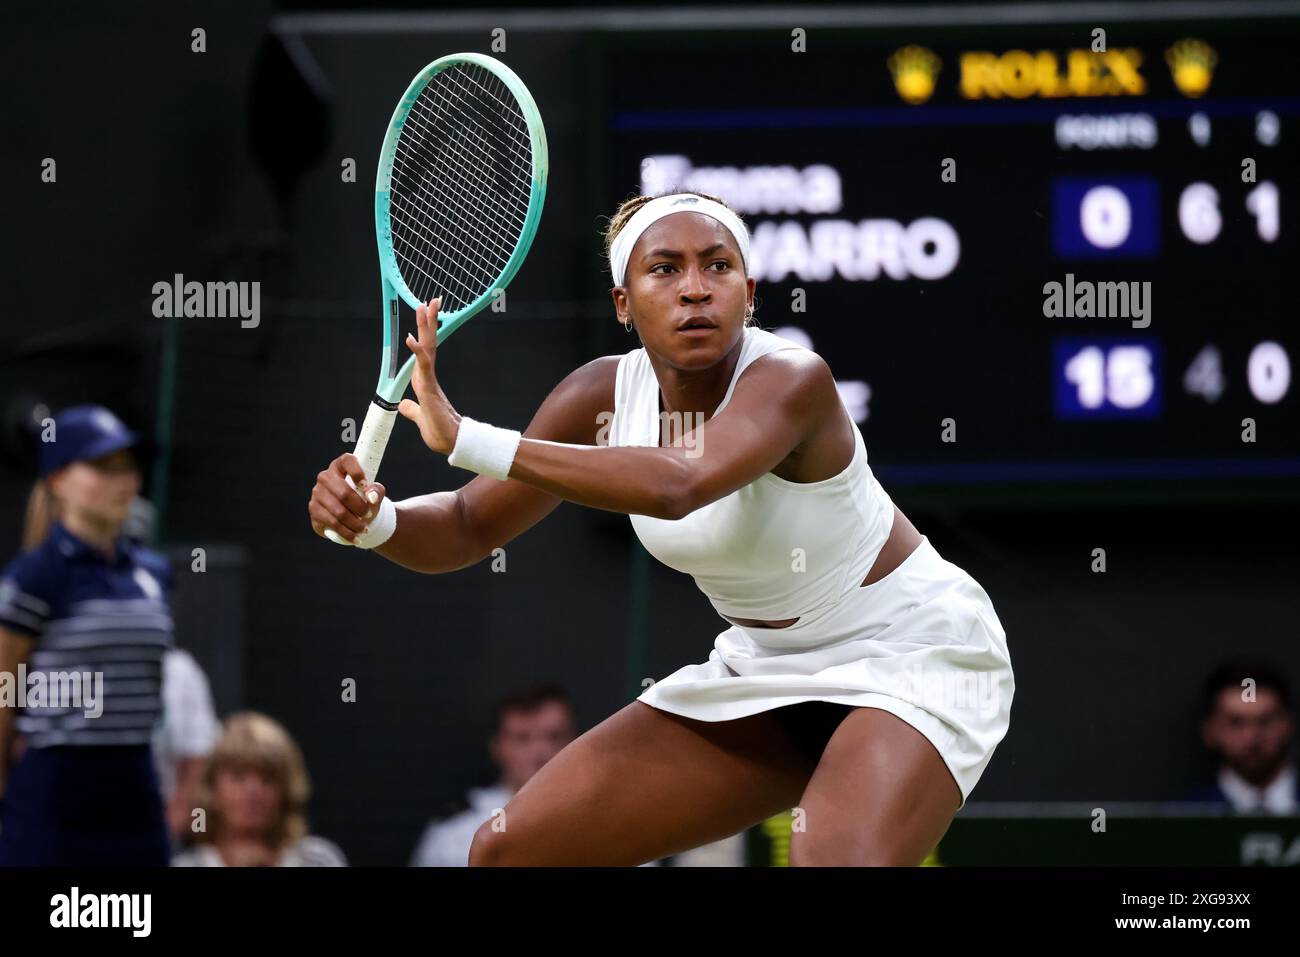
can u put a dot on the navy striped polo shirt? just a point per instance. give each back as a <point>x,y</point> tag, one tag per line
<point>100,627</point>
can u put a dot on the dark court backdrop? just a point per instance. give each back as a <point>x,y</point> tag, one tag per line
<point>225,165</point>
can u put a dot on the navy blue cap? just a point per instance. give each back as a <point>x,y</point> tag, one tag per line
<point>85,432</point>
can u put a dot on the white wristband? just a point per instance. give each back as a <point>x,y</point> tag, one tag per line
<point>381,526</point>
<point>484,448</point>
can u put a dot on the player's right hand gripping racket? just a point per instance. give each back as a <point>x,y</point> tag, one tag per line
<point>458,196</point>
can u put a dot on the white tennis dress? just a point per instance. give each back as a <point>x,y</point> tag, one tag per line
<point>923,643</point>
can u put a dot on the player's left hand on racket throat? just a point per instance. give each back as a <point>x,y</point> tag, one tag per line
<point>431,410</point>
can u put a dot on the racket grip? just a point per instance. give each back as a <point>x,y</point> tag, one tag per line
<point>372,442</point>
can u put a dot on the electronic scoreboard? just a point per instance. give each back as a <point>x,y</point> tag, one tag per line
<point>1028,251</point>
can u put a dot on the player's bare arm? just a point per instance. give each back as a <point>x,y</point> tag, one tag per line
<point>449,530</point>
<point>777,403</point>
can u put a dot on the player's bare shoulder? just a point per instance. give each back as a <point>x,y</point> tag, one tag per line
<point>579,406</point>
<point>801,385</point>
<point>800,378</point>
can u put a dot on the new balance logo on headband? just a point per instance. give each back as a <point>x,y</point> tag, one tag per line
<point>621,249</point>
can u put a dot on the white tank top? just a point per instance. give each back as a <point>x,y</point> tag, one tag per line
<point>774,549</point>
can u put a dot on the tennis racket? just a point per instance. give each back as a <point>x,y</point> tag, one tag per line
<point>458,197</point>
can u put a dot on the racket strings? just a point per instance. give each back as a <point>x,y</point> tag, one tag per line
<point>460,186</point>
<point>464,240</point>
<point>517,147</point>
<point>424,242</point>
<point>475,269</point>
<point>449,104</point>
<point>453,96</point>
<point>510,108</point>
<point>413,259</point>
<point>458,174</point>
<point>484,147</point>
<point>467,174</point>
<point>420,209</point>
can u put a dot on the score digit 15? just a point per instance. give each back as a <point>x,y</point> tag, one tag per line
<point>1107,378</point>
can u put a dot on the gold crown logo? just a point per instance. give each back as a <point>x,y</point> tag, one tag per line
<point>1191,63</point>
<point>914,70</point>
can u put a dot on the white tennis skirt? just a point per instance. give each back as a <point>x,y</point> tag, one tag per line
<point>923,643</point>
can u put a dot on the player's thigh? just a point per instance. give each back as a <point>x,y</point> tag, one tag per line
<point>644,784</point>
<point>881,795</point>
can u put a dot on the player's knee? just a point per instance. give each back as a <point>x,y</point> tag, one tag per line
<point>806,853</point>
<point>489,848</point>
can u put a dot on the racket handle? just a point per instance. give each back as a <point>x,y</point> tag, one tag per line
<point>372,442</point>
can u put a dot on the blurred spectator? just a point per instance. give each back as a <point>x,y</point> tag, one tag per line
<point>255,793</point>
<point>531,728</point>
<point>82,609</point>
<point>1248,723</point>
<point>184,739</point>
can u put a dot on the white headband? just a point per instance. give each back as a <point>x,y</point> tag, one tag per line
<point>655,210</point>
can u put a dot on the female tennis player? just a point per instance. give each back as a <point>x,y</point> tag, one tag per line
<point>864,681</point>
